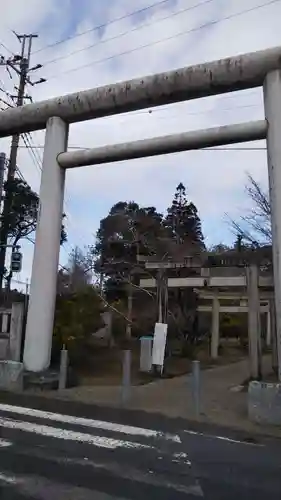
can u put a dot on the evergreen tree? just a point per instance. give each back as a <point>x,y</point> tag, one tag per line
<point>22,219</point>
<point>78,273</point>
<point>182,220</point>
<point>128,230</point>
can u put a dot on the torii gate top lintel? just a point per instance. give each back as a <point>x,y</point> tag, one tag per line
<point>183,84</point>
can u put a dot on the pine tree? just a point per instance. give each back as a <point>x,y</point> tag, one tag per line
<point>182,220</point>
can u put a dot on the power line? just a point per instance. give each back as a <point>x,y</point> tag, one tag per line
<point>101,26</point>
<point>29,239</point>
<point>218,148</point>
<point>25,137</point>
<point>31,152</point>
<point>6,48</point>
<point>202,149</point>
<point>60,265</point>
<point>120,35</point>
<point>20,282</point>
<point>6,92</point>
<point>20,174</point>
<point>167,108</point>
<point>32,149</point>
<point>66,197</point>
<point>205,112</point>
<point>40,146</point>
<point>157,42</point>
<point>20,64</point>
<point>38,162</point>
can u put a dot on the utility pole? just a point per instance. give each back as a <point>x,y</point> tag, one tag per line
<point>129,309</point>
<point>130,284</point>
<point>21,65</point>
<point>2,174</point>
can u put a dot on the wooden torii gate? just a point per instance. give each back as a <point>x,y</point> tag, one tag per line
<point>251,280</point>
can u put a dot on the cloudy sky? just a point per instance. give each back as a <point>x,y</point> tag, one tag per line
<point>87,43</point>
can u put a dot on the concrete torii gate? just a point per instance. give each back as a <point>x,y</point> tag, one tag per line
<point>242,72</point>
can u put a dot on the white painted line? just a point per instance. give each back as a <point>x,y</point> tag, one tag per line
<point>7,479</point>
<point>45,430</point>
<point>137,475</point>
<point>97,424</point>
<point>222,438</point>
<point>44,489</point>
<point>181,458</point>
<point>4,443</point>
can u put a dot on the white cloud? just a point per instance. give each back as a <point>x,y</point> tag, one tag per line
<point>214,180</point>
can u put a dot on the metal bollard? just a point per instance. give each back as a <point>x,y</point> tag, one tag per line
<point>196,386</point>
<point>126,376</point>
<point>63,368</point>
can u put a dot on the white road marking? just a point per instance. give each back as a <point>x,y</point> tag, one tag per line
<point>150,477</point>
<point>4,443</point>
<point>181,458</point>
<point>98,424</point>
<point>7,479</point>
<point>222,438</point>
<point>44,489</point>
<point>100,441</point>
<point>45,430</point>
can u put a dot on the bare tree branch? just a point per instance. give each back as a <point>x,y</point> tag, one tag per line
<point>259,197</point>
<point>254,226</point>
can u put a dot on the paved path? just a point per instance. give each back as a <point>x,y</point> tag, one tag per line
<point>173,397</point>
<point>50,455</point>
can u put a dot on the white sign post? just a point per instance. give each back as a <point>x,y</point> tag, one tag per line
<point>159,344</point>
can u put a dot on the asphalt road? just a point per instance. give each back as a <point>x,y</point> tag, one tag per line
<point>102,454</point>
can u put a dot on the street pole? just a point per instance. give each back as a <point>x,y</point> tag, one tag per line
<point>196,386</point>
<point>24,58</point>
<point>254,324</point>
<point>129,310</point>
<point>2,174</point>
<point>126,376</point>
<point>26,297</point>
<point>160,295</point>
